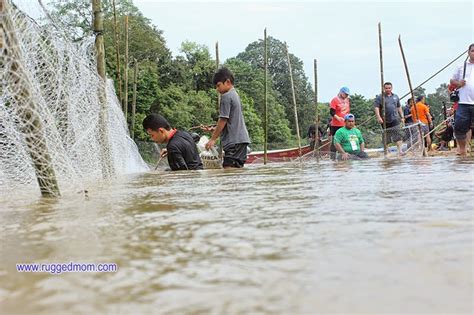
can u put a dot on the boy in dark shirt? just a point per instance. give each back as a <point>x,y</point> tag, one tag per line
<point>181,150</point>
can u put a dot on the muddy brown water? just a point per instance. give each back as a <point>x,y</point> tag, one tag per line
<point>377,236</point>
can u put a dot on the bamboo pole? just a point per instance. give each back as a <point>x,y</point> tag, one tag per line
<point>411,92</point>
<point>217,68</point>
<point>134,99</point>
<point>382,96</point>
<point>294,101</point>
<point>117,55</point>
<point>221,150</point>
<point>31,122</point>
<point>106,158</point>
<point>125,73</point>
<point>316,140</point>
<point>265,97</point>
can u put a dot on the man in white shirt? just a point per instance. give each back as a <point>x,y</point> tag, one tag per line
<point>463,79</point>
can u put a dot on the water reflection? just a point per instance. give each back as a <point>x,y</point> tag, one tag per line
<point>283,238</point>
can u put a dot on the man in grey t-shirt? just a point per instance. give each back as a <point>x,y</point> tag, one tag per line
<point>393,115</point>
<point>231,125</point>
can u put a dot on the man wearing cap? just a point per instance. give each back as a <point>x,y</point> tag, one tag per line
<point>339,107</point>
<point>393,115</point>
<point>348,141</point>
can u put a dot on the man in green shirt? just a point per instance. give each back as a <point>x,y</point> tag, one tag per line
<point>348,140</point>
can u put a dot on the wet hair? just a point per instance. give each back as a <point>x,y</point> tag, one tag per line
<point>387,83</point>
<point>155,122</point>
<point>419,98</point>
<point>409,101</point>
<point>222,75</point>
<point>470,46</point>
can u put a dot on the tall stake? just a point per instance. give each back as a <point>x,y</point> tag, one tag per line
<point>134,99</point>
<point>218,95</point>
<point>125,73</point>
<point>316,142</point>
<point>265,97</point>
<point>217,68</point>
<point>382,96</point>
<point>26,105</point>
<point>411,92</point>
<point>294,100</point>
<point>106,158</point>
<point>117,54</point>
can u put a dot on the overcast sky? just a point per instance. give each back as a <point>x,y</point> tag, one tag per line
<point>341,35</point>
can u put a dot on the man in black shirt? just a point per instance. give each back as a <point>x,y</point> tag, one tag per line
<point>181,150</point>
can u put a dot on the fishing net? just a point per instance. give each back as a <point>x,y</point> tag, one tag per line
<point>53,132</point>
<point>412,142</point>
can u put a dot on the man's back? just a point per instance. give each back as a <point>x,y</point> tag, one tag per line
<point>183,153</point>
<point>421,114</point>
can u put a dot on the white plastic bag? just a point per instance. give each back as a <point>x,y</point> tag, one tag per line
<point>210,158</point>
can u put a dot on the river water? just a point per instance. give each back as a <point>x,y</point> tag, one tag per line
<point>377,236</point>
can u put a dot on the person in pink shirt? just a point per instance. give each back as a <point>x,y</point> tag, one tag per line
<point>339,107</point>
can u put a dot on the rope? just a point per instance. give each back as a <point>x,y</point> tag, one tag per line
<point>463,53</point>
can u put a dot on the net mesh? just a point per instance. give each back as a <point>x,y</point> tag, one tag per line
<point>411,146</point>
<point>50,111</point>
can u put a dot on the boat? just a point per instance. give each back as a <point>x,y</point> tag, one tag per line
<point>284,155</point>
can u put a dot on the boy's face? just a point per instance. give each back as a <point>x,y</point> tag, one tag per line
<point>223,87</point>
<point>157,135</point>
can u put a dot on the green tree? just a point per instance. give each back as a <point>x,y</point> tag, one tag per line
<point>250,80</point>
<point>437,101</point>
<point>280,79</point>
<point>200,65</point>
<point>172,103</point>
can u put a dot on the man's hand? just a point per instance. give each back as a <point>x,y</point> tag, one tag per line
<point>210,144</point>
<point>339,118</point>
<point>345,156</point>
<point>462,83</point>
<point>163,153</point>
<point>380,120</point>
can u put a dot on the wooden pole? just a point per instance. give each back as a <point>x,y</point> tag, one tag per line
<point>125,73</point>
<point>221,150</point>
<point>106,158</point>
<point>411,92</point>
<point>316,142</point>
<point>117,55</point>
<point>265,97</point>
<point>134,99</point>
<point>27,108</point>
<point>294,100</point>
<point>382,96</point>
<point>217,68</point>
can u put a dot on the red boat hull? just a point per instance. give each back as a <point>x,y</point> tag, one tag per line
<point>282,155</point>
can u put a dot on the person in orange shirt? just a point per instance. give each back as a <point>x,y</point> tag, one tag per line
<point>421,113</point>
<point>339,107</point>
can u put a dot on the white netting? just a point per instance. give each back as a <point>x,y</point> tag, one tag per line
<point>410,137</point>
<point>50,123</point>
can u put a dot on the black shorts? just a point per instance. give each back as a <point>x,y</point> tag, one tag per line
<point>463,120</point>
<point>333,129</point>
<point>235,155</point>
